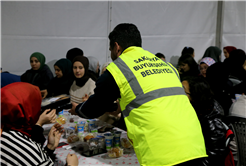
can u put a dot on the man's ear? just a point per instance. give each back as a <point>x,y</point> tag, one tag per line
<point>118,49</point>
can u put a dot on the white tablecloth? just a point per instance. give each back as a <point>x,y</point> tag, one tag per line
<point>128,158</point>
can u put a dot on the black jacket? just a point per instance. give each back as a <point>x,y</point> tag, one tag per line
<point>214,133</point>
<point>40,78</point>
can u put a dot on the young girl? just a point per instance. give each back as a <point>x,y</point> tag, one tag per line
<point>83,86</point>
<point>64,78</point>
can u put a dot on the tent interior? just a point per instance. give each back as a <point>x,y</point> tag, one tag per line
<point>54,27</point>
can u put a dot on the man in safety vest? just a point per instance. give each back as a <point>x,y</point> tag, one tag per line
<point>161,123</point>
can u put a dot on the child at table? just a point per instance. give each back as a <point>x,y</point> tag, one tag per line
<point>83,86</point>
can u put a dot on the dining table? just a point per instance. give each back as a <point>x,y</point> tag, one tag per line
<point>128,157</point>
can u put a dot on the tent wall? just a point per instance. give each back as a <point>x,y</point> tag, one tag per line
<point>234,27</point>
<point>52,28</point>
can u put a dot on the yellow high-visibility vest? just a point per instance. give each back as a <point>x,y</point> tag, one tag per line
<point>161,122</point>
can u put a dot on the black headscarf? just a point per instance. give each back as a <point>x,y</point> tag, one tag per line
<point>213,52</point>
<point>61,85</point>
<point>81,81</point>
<point>235,63</point>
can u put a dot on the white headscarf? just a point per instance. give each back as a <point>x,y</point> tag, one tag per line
<point>104,65</point>
<point>93,63</point>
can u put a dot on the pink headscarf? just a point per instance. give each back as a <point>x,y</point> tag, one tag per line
<point>209,61</point>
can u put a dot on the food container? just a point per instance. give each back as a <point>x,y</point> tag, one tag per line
<point>69,129</point>
<point>80,127</point>
<point>109,140</point>
<point>91,124</point>
<point>115,152</point>
<point>117,138</point>
<point>101,142</point>
<point>125,143</point>
<point>72,138</point>
<point>61,119</point>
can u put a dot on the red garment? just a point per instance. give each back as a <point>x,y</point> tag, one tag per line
<point>229,48</point>
<point>229,160</point>
<point>20,106</point>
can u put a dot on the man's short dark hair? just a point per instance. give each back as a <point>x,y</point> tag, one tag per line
<point>125,35</point>
<point>160,55</point>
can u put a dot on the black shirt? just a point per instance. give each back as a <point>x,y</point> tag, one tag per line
<point>105,94</point>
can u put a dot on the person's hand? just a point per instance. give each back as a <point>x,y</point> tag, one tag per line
<point>44,93</point>
<point>54,136</point>
<point>72,110</point>
<point>45,118</point>
<point>85,98</point>
<point>116,113</point>
<point>72,160</point>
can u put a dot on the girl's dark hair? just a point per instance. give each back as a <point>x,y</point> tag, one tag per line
<point>188,59</point>
<point>187,50</point>
<point>201,95</point>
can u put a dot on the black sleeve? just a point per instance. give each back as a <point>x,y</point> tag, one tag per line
<point>105,94</point>
<point>50,153</point>
<point>37,134</point>
<point>45,78</point>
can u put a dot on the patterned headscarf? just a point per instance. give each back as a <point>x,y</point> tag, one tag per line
<point>209,61</point>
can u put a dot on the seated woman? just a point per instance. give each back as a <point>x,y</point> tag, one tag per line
<point>83,86</point>
<point>94,68</point>
<point>204,64</point>
<point>21,140</point>
<point>64,78</point>
<point>213,52</point>
<point>40,74</point>
<point>104,66</point>
<point>187,66</point>
<point>227,50</point>
<point>209,113</point>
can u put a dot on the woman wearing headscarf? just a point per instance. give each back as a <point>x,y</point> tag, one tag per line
<point>83,86</point>
<point>64,78</point>
<point>40,74</point>
<point>94,68</point>
<point>104,66</point>
<point>236,66</point>
<point>227,50</point>
<point>214,53</point>
<point>204,64</point>
<point>22,133</point>
<point>236,62</point>
<point>217,77</point>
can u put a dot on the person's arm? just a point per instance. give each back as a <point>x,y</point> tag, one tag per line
<point>106,92</point>
<point>37,130</point>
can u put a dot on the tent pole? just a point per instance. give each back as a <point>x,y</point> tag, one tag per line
<point>219,24</point>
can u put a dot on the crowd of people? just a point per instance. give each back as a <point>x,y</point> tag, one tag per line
<point>174,115</point>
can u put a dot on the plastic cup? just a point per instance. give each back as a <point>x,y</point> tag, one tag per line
<point>101,141</point>
<point>109,140</point>
<point>91,124</point>
<point>81,127</point>
<point>69,129</point>
<point>117,138</point>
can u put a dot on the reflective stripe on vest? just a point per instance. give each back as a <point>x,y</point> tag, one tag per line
<point>138,91</point>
